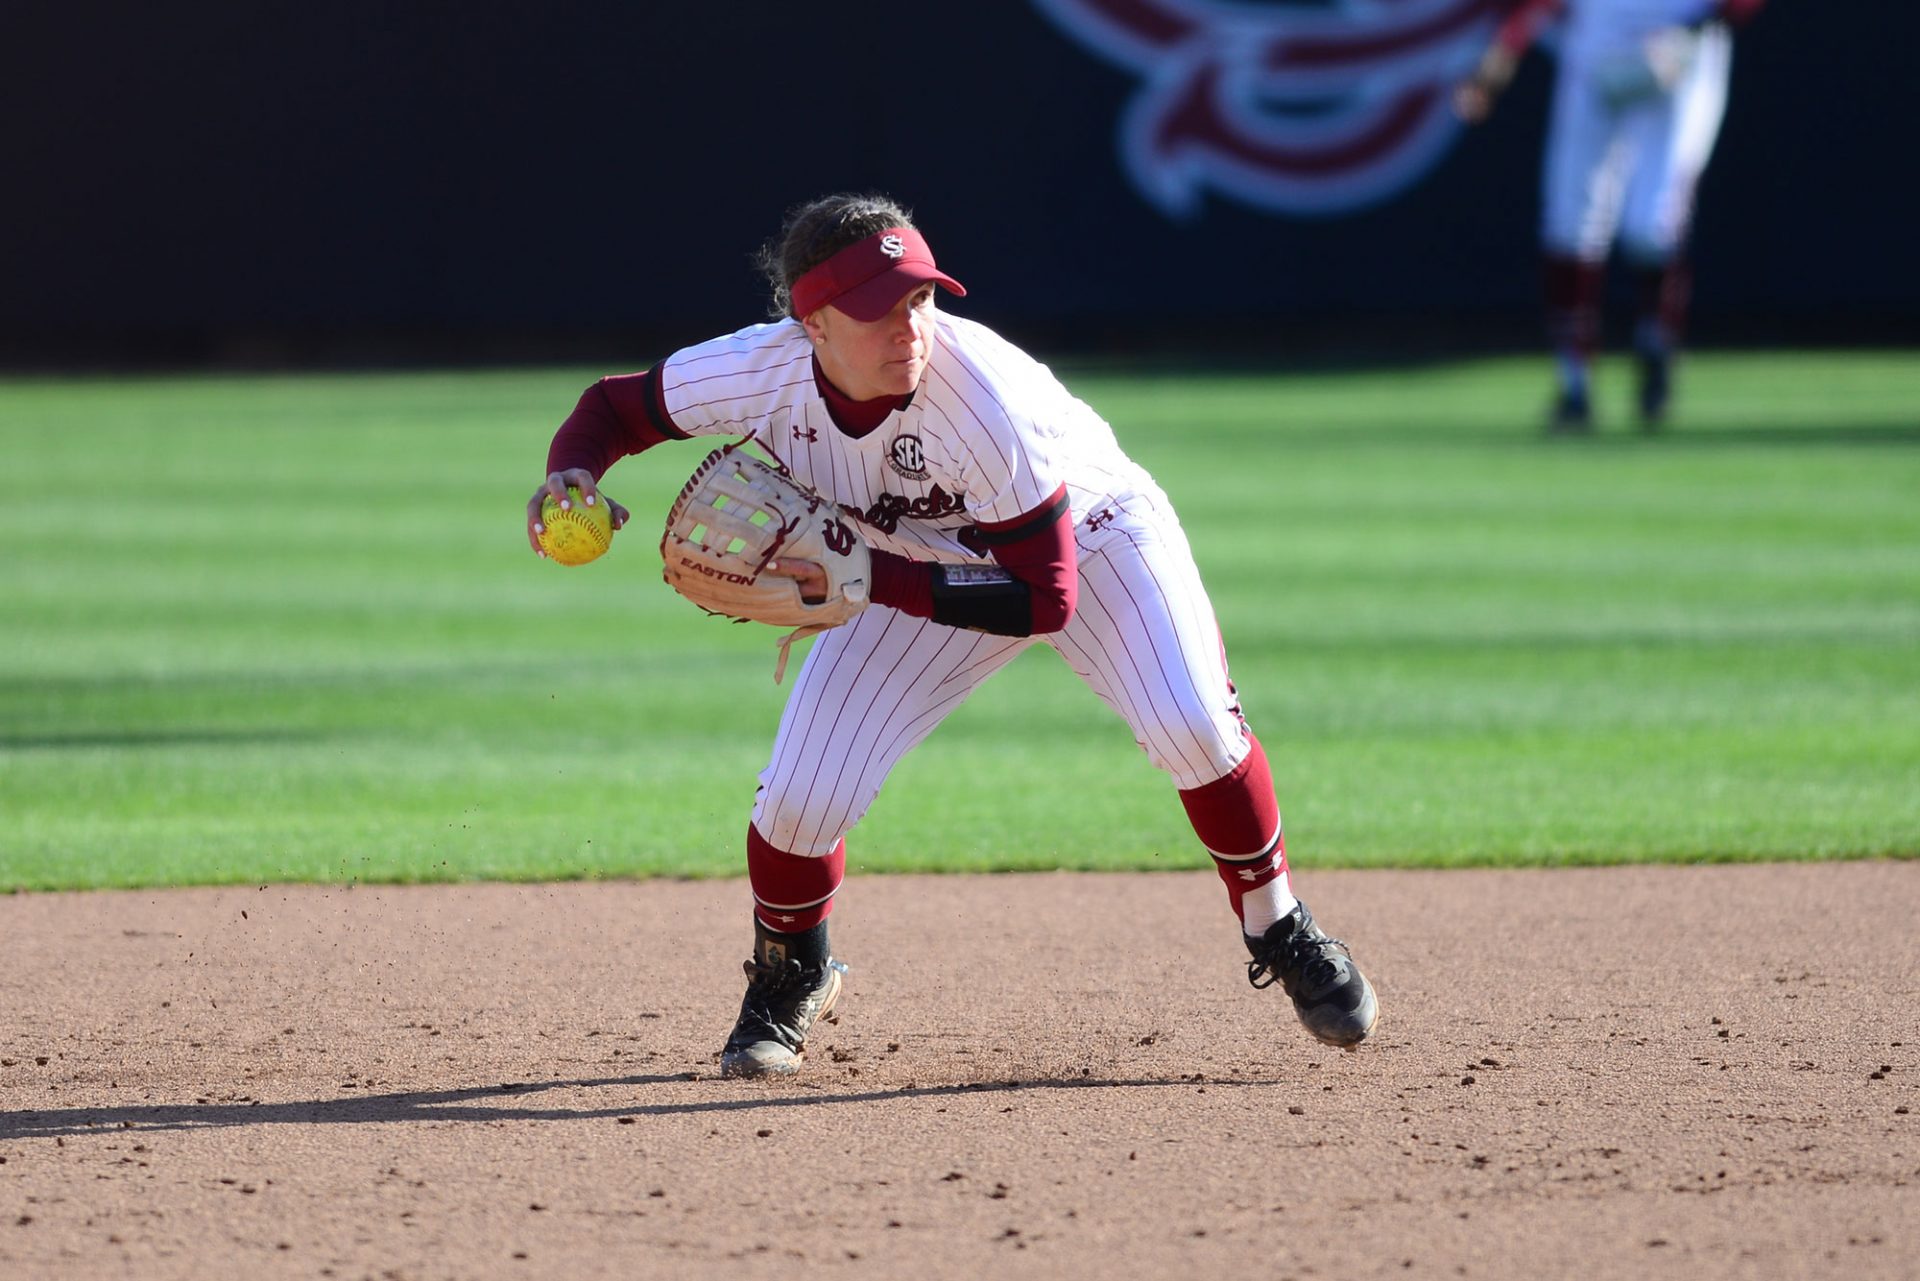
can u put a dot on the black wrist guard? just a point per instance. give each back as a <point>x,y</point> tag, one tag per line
<point>982,598</point>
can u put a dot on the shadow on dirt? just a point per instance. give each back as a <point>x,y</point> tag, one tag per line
<point>495,1103</point>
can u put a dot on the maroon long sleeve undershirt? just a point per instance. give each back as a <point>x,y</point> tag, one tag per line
<point>617,416</point>
<point>1525,18</point>
<point>1042,555</point>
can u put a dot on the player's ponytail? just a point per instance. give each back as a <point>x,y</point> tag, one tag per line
<point>817,230</point>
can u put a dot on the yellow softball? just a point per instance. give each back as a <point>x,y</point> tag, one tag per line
<point>575,534</point>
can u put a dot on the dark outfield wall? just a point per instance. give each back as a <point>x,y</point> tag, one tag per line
<point>500,179</point>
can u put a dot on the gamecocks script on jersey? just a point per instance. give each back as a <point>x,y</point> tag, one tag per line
<point>1296,108</point>
<point>889,510</point>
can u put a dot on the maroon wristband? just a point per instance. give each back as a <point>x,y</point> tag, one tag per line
<point>902,584</point>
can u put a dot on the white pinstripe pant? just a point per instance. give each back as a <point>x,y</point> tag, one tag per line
<point>1143,637</point>
<point>1630,169</point>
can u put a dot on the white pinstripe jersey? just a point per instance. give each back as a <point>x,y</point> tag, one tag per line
<point>990,434</point>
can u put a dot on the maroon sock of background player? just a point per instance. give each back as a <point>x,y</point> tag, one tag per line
<point>1662,294</point>
<point>1237,817</point>
<point>792,893</point>
<point>1572,287</point>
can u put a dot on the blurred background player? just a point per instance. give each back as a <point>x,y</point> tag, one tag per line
<point>1637,105</point>
<point>1001,512</point>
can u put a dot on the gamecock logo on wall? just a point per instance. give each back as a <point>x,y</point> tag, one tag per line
<point>1297,108</point>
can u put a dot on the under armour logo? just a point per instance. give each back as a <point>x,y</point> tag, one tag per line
<point>1100,519</point>
<point>893,246</point>
<point>807,434</point>
<point>1249,874</point>
<point>786,918</point>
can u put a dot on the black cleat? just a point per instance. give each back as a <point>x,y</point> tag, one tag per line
<point>781,1006</point>
<point>1572,415</point>
<point>786,995</point>
<point>1331,996</point>
<point>1656,388</point>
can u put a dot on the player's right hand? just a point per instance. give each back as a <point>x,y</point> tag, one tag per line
<point>1471,102</point>
<point>1473,98</point>
<point>556,489</point>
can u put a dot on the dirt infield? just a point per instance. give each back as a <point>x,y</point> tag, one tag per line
<point>1654,1072</point>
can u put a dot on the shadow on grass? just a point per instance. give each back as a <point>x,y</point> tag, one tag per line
<point>1796,436</point>
<point>483,1104</point>
<point>79,740</point>
<point>1451,435</point>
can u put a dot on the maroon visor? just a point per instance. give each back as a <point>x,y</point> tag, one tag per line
<point>868,277</point>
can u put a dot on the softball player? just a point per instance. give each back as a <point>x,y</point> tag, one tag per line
<point>1640,92</point>
<point>1001,513</point>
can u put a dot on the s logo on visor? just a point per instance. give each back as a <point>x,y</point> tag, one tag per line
<point>893,246</point>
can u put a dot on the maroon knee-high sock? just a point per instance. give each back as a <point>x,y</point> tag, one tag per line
<point>1573,294</point>
<point>792,893</point>
<point>1237,818</point>
<point>1663,293</point>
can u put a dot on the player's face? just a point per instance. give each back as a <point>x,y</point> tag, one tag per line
<point>884,357</point>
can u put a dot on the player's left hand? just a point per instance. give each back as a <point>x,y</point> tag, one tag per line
<point>811,576</point>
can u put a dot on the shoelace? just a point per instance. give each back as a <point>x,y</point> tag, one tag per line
<point>1309,955</point>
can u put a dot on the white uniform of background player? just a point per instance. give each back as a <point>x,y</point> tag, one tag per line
<point>1637,106</point>
<point>1001,513</point>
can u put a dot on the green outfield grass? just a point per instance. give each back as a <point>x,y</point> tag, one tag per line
<point>259,629</point>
